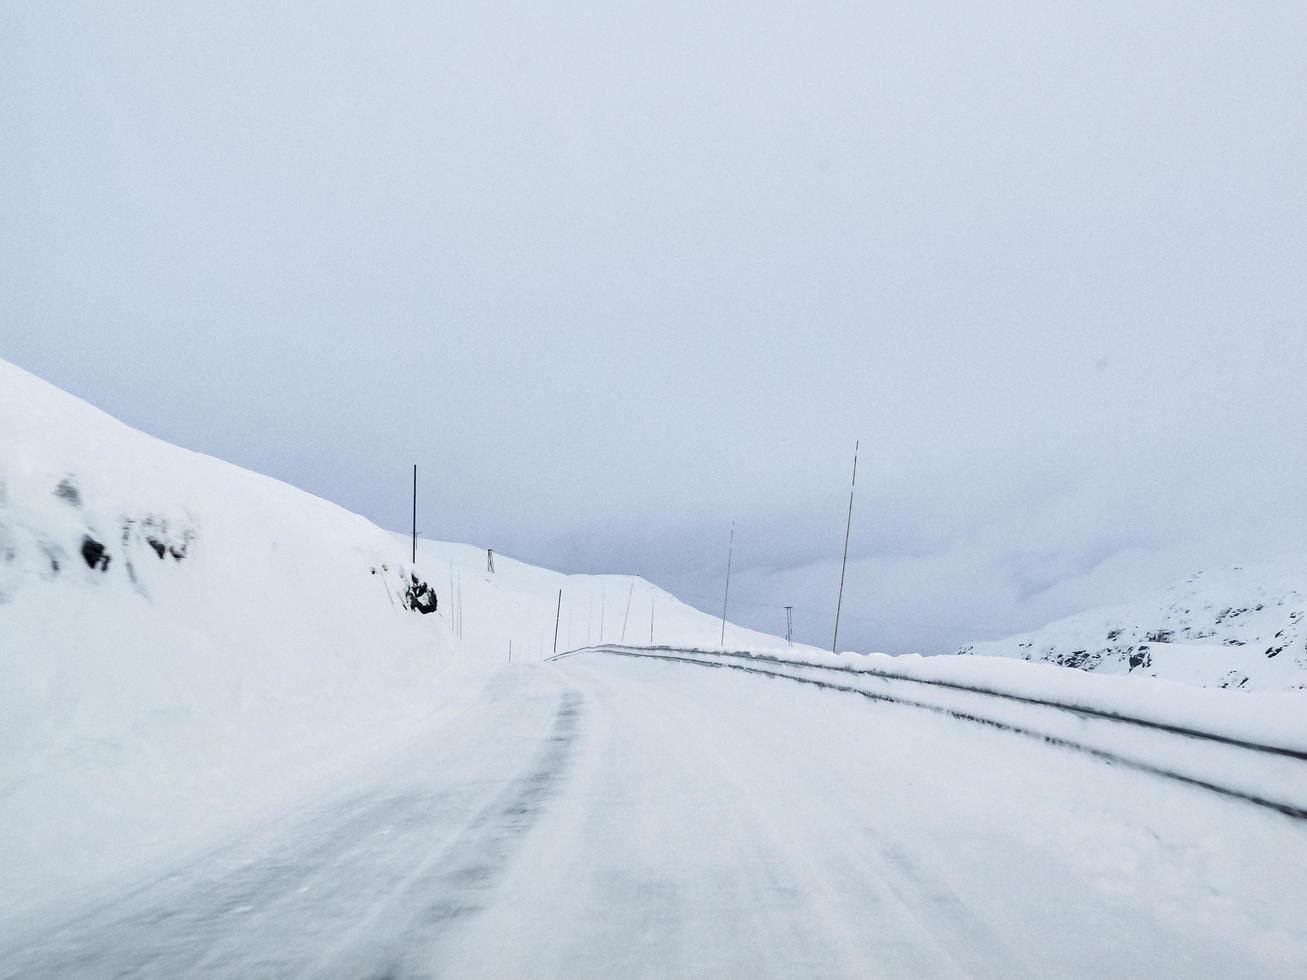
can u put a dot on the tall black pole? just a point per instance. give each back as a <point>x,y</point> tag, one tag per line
<point>834,643</point>
<point>415,513</point>
<point>557,614</point>
<point>730,554</point>
<point>789,625</point>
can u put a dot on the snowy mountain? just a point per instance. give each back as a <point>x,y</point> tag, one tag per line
<point>183,641</point>
<point>1243,628</point>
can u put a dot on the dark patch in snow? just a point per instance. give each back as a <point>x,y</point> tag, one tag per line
<point>1160,636</point>
<point>67,490</point>
<point>1141,657</point>
<point>162,539</point>
<point>419,596</point>
<point>1079,659</point>
<point>94,554</point>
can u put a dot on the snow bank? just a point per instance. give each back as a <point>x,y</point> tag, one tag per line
<point>180,641</point>
<point>1243,628</point>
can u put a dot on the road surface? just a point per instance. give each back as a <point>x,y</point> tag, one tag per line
<point>605,816</point>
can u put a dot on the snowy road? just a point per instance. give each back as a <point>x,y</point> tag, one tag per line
<point>606,816</point>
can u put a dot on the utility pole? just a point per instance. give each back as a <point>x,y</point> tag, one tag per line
<point>730,554</point>
<point>839,602</point>
<point>557,613</point>
<point>415,513</point>
<point>789,626</point>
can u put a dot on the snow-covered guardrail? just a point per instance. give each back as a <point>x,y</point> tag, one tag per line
<point>1233,758</point>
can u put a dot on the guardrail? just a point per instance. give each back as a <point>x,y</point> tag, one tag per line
<point>801,672</point>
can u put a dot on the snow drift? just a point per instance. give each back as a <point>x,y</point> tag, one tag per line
<point>179,639</point>
<point>1242,628</point>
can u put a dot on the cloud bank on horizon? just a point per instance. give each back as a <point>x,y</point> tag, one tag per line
<point>634,274</point>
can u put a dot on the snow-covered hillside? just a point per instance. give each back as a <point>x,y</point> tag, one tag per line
<point>179,640</point>
<point>1243,628</point>
<point>518,605</point>
<point>183,642</point>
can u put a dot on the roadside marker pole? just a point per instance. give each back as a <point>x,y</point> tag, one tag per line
<point>730,554</point>
<point>627,617</point>
<point>789,626</point>
<point>835,640</point>
<point>557,613</point>
<point>415,514</point>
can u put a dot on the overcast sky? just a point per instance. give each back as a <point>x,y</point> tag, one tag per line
<point>615,275</point>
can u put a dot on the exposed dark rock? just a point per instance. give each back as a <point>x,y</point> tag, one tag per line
<point>1142,656</point>
<point>94,554</point>
<point>419,596</point>
<point>1080,659</point>
<point>156,532</point>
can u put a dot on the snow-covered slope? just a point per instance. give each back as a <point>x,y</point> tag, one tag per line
<point>183,642</point>
<point>519,604</point>
<point>1244,628</point>
<point>179,639</point>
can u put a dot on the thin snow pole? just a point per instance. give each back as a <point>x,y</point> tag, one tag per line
<point>415,513</point>
<point>839,602</point>
<point>557,613</point>
<point>653,603</point>
<point>730,554</point>
<point>627,617</point>
<point>510,651</point>
<point>789,626</point>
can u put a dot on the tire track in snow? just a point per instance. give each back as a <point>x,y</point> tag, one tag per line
<point>366,886</point>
